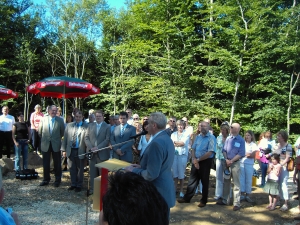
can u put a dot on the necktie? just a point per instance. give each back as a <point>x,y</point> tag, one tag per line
<point>51,125</point>
<point>98,128</point>
<point>74,139</point>
<point>122,130</point>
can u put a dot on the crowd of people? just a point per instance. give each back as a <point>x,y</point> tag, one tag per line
<point>160,154</point>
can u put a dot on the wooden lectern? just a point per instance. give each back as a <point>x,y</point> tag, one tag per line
<point>101,182</point>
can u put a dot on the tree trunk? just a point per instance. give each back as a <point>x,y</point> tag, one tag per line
<point>292,87</point>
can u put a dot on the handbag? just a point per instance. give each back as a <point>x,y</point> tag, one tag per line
<point>267,151</point>
<point>297,161</point>
<point>26,174</point>
<point>291,164</point>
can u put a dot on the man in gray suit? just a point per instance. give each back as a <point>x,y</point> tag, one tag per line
<point>120,134</point>
<point>97,137</point>
<point>51,130</point>
<point>74,145</point>
<point>157,160</point>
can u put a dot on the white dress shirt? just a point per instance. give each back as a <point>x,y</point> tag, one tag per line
<point>6,122</point>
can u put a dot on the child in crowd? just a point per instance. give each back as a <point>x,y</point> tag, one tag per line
<point>272,185</point>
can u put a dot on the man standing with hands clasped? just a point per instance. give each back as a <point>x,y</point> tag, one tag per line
<point>233,151</point>
<point>122,133</point>
<point>97,137</point>
<point>74,145</point>
<point>51,130</point>
<point>157,160</point>
<point>203,151</point>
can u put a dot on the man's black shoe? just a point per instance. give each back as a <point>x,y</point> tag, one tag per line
<point>182,201</point>
<point>78,189</point>
<point>56,184</point>
<point>44,183</point>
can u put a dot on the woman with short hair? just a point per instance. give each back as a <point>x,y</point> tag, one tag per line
<point>21,137</point>
<point>246,166</point>
<point>220,160</point>
<point>180,139</point>
<point>35,119</point>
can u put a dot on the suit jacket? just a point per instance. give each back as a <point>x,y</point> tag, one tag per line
<point>126,148</point>
<point>102,139</point>
<point>156,164</point>
<point>68,138</point>
<point>55,137</point>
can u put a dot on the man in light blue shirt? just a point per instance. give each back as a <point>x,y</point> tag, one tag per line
<point>203,152</point>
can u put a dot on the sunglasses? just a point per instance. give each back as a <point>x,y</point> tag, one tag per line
<point>135,118</point>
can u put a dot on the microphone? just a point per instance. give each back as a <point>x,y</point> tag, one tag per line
<point>139,134</point>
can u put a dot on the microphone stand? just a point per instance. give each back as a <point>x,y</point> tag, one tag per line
<point>89,156</point>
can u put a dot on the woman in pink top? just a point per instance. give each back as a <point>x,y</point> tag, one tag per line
<point>35,119</point>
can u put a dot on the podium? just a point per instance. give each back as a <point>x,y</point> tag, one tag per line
<point>101,182</point>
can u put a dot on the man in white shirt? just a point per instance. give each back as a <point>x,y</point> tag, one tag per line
<point>6,124</point>
<point>130,119</point>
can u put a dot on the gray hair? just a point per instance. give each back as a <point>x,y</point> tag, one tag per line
<point>159,118</point>
<point>37,106</point>
<point>135,115</point>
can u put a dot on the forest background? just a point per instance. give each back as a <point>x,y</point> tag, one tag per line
<point>229,60</point>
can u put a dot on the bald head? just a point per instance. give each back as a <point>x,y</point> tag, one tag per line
<point>235,129</point>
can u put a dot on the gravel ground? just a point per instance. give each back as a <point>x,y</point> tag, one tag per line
<point>47,205</point>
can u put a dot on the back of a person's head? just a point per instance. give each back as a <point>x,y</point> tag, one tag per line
<point>0,177</point>
<point>131,200</point>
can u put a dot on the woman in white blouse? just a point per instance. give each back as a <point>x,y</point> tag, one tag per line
<point>145,139</point>
<point>180,139</point>
<point>246,167</point>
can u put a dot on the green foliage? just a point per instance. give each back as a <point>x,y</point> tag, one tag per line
<point>183,58</point>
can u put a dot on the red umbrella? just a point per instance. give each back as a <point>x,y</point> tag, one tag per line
<point>6,93</point>
<point>63,87</point>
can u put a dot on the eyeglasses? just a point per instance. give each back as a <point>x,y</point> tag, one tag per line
<point>135,118</point>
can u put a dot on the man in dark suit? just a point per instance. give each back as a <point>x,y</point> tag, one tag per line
<point>157,160</point>
<point>120,134</point>
<point>74,145</point>
<point>97,137</point>
<point>51,130</point>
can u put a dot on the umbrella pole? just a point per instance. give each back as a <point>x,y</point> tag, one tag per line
<point>64,108</point>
